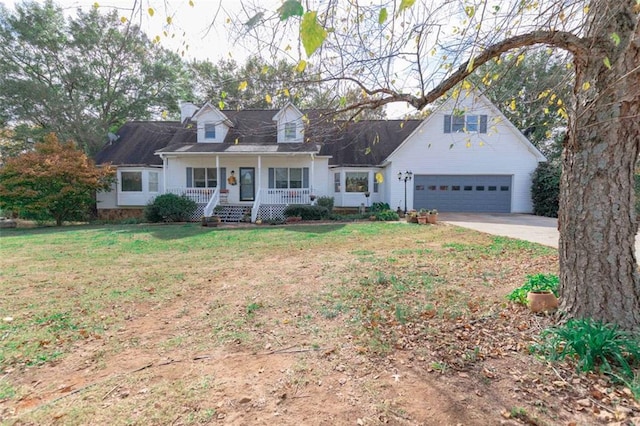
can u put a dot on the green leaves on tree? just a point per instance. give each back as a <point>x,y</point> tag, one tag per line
<point>290,8</point>
<point>312,33</point>
<point>382,16</point>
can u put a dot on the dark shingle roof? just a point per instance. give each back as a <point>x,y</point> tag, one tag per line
<point>254,131</point>
<point>137,143</point>
<point>368,142</point>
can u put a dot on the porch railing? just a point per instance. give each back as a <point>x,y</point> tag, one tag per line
<point>285,196</point>
<point>199,195</point>
<point>213,202</point>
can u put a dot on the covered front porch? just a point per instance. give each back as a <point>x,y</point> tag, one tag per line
<point>242,188</point>
<point>269,203</point>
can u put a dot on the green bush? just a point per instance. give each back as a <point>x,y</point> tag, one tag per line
<point>545,189</point>
<point>326,202</point>
<point>170,208</point>
<point>349,217</point>
<point>537,282</point>
<point>306,212</point>
<point>387,215</point>
<point>379,207</point>
<point>593,345</point>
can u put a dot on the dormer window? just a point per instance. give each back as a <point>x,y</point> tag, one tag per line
<point>209,131</point>
<point>290,131</point>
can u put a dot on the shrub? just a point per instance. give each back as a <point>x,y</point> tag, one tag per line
<point>379,207</point>
<point>545,189</point>
<point>349,217</point>
<point>326,202</point>
<point>594,345</point>
<point>387,215</point>
<point>306,212</point>
<point>537,282</point>
<point>170,208</point>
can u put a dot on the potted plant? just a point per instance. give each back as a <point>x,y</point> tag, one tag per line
<point>210,221</point>
<point>539,293</point>
<point>422,217</point>
<point>432,216</point>
<point>412,216</point>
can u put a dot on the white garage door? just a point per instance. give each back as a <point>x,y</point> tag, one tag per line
<point>463,193</point>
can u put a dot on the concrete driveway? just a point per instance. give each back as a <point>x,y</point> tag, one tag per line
<point>537,229</point>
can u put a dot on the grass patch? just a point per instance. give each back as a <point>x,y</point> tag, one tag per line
<point>171,289</point>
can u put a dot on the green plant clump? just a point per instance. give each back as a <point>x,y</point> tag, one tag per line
<point>537,282</point>
<point>379,207</point>
<point>306,212</point>
<point>594,345</point>
<point>326,202</point>
<point>387,215</point>
<point>170,208</point>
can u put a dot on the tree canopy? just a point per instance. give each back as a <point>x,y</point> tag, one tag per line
<point>82,77</point>
<point>54,181</point>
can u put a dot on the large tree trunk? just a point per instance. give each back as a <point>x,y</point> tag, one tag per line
<point>598,269</point>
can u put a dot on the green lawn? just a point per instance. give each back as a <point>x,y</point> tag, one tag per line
<point>91,294</point>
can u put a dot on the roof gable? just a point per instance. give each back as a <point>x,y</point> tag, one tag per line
<point>469,101</point>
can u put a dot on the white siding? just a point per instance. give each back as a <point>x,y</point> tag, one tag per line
<point>501,151</point>
<point>288,115</point>
<point>117,198</point>
<point>212,116</point>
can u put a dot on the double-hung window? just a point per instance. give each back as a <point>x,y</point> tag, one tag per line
<point>203,177</point>
<point>290,131</point>
<point>285,177</point>
<point>209,131</point>
<point>469,123</point>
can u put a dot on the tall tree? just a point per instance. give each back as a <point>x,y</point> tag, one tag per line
<point>530,91</point>
<point>55,181</point>
<point>260,84</point>
<point>415,52</point>
<point>84,76</point>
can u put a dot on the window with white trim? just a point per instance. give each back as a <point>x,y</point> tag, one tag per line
<point>290,130</point>
<point>465,123</point>
<point>287,177</point>
<point>209,130</point>
<point>131,181</point>
<point>357,181</point>
<point>153,182</point>
<point>336,182</point>
<point>204,177</point>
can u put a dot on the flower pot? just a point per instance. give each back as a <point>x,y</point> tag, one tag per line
<point>432,218</point>
<point>542,301</point>
<point>422,220</point>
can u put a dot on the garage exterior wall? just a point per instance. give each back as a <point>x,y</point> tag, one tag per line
<point>503,150</point>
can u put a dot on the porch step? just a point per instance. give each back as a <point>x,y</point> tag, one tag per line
<point>232,212</point>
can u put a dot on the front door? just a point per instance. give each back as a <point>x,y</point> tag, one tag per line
<point>247,183</point>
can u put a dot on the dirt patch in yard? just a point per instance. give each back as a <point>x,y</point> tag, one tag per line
<point>368,326</point>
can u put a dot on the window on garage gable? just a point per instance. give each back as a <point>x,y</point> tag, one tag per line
<point>469,123</point>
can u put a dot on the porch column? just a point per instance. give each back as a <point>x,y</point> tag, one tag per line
<point>165,162</point>
<point>311,178</point>
<point>259,180</point>
<point>218,185</point>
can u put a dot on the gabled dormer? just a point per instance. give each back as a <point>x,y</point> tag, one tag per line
<point>290,124</point>
<point>212,124</point>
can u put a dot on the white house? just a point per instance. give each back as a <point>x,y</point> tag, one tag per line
<point>466,156</point>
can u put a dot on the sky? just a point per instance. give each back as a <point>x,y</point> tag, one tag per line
<point>192,25</point>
